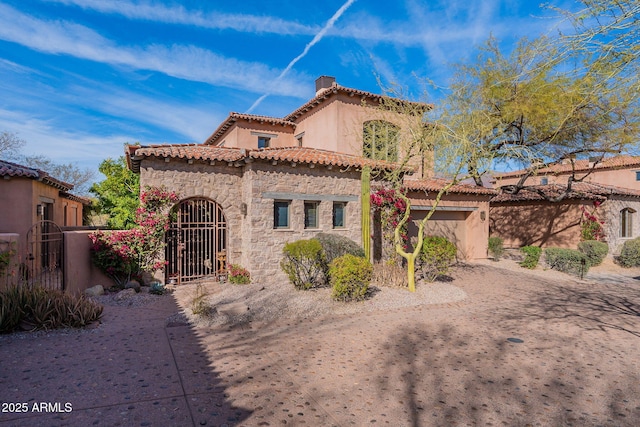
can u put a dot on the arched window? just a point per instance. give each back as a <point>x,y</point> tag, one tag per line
<point>626,222</point>
<point>380,140</point>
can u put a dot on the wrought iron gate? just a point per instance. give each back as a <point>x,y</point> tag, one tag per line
<point>43,261</point>
<point>196,241</point>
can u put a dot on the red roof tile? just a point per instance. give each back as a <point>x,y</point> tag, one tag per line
<point>437,184</point>
<point>579,191</point>
<point>225,154</point>
<point>16,170</point>
<point>617,162</point>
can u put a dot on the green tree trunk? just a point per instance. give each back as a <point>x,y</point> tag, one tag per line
<point>365,196</point>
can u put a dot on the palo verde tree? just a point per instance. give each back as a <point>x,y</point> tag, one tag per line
<point>537,106</point>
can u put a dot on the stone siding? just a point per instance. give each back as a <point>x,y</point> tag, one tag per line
<point>612,208</point>
<point>246,194</point>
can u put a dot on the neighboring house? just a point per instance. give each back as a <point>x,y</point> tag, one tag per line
<point>34,206</point>
<point>29,195</point>
<point>621,171</point>
<point>527,218</point>
<point>259,182</point>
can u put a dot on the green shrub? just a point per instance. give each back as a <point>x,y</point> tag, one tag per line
<point>630,253</point>
<point>350,277</point>
<point>568,261</point>
<point>32,308</point>
<point>436,257</point>
<point>496,248</point>
<point>594,250</point>
<point>239,275</point>
<point>303,261</point>
<point>531,256</point>
<point>334,246</point>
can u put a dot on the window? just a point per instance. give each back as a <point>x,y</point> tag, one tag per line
<point>311,214</point>
<point>544,181</point>
<point>380,140</point>
<point>637,175</point>
<point>338,214</point>
<point>626,222</point>
<point>299,139</point>
<point>281,213</point>
<point>264,142</point>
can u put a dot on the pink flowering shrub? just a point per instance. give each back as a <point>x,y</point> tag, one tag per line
<point>127,254</point>
<point>239,275</point>
<point>391,208</point>
<point>591,228</point>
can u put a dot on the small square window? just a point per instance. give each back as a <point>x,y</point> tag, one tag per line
<point>544,181</point>
<point>338,214</point>
<point>311,214</point>
<point>264,142</point>
<point>637,175</point>
<point>281,213</point>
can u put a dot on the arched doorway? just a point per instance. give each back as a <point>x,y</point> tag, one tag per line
<point>196,241</point>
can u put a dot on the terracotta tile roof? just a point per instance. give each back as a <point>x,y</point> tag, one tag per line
<point>234,117</point>
<point>579,191</point>
<point>617,162</point>
<point>226,154</point>
<point>318,156</point>
<point>436,184</point>
<point>15,170</point>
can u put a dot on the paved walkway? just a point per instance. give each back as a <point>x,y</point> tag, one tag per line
<point>521,350</point>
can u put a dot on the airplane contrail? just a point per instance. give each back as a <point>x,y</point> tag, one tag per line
<point>309,45</point>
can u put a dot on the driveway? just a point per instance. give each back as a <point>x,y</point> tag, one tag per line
<point>520,350</point>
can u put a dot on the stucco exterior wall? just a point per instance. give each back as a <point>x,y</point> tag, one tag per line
<point>459,218</point>
<point>541,223</point>
<point>625,178</point>
<point>79,272</point>
<point>242,135</point>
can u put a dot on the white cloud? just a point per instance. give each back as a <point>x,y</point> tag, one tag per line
<point>150,11</point>
<point>185,62</point>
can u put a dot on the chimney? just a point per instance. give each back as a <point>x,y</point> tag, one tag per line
<point>324,82</point>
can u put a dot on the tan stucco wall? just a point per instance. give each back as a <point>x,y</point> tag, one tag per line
<point>241,136</point>
<point>465,228</point>
<point>542,224</point>
<point>79,272</point>
<point>625,178</point>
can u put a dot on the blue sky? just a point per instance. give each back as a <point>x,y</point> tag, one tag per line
<point>79,78</point>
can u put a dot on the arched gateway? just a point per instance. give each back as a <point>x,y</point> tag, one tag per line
<point>196,241</point>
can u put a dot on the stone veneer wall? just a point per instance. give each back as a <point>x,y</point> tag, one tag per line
<point>263,243</point>
<point>219,182</point>
<point>252,240</point>
<point>610,211</point>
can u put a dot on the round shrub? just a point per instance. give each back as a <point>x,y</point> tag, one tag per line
<point>630,253</point>
<point>594,250</point>
<point>496,248</point>
<point>239,275</point>
<point>303,260</point>
<point>350,277</point>
<point>436,257</point>
<point>531,256</point>
<point>334,246</point>
<point>568,261</point>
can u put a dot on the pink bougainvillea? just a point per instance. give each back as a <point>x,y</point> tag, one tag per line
<point>391,208</point>
<point>591,227</point>
<point>127,254</point>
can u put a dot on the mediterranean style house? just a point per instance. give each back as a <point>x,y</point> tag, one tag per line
<point>259,182</point>
<point>610,191</point>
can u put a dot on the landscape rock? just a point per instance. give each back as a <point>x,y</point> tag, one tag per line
<point>125,294</point>
<point>133,284</point>
<point>94,291</point>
